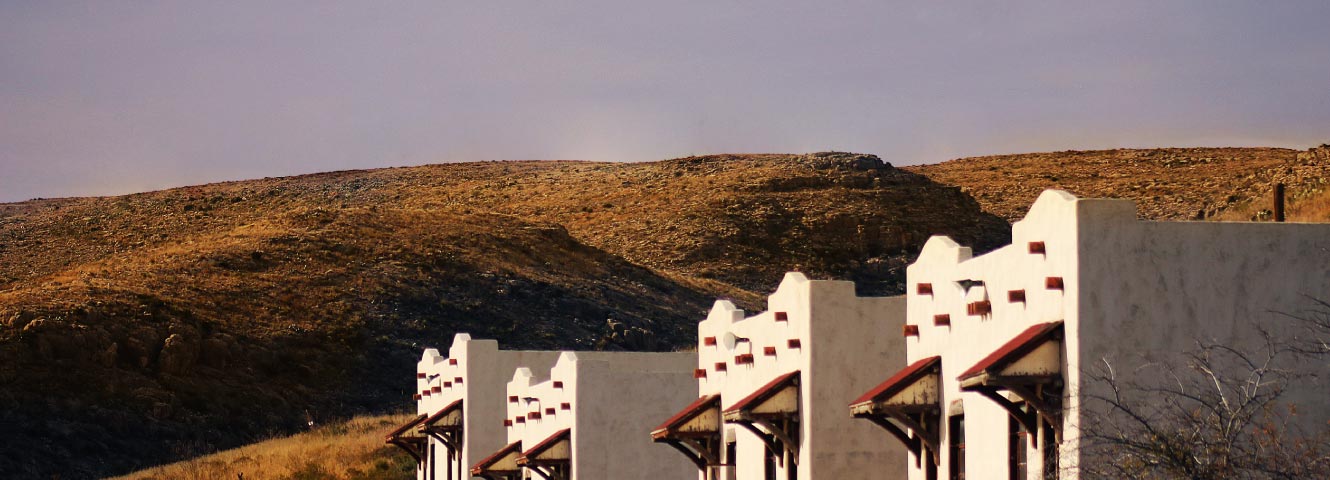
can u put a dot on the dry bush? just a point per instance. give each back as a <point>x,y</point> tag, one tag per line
<point>1219,411</point>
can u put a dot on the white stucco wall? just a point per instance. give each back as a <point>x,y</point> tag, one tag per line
<point>1152,289</point>
<point>485,371</point>
<point>613,399</point>
<point>842,352</point>
<point>1132,290</point>
<point>969,338</point>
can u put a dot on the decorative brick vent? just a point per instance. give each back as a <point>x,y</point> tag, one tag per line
<point>424,393</point>
<point>416,396</point>
<point>549,411</point>
<point>507,422</point>
<point>942,320</point>
<point>721,367</point>
<point>566,406</point>
<point>521,419</point>
<point>769,351</point>
<point>1037,248</point>
<point>911,330</point>
<point>452,361</point>
<point>982,307</point>
<point>709,341</point>
<point>743,359</point>
<point>794,343</point>
<point>533,415</point>
<point>700,373</point>
<point>1014,296</point>
<point>447,384</point>
<point>782,317</point>
<point>457,380</point>
<point>512,399</point>
<point>924,289</point>
<point>558,384</point>
<point>1053,283</point>
<point>420,375</point>
<point>436,390</point>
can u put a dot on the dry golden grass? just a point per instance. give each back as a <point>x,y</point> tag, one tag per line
<point>1166,183</point>
<point>351,450</point>
<point>1312,207</point>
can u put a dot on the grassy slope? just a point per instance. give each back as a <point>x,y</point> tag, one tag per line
<point>350,450</point>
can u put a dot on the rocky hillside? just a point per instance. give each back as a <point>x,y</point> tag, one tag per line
<point>1167,183</point>
<point>144,328</point>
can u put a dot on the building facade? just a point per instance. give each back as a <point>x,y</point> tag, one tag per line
<point>583,418</point>
<point>998,344</point>
<point>773,387</point>
<point>460,401</point>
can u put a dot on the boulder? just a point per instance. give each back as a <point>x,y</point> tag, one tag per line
<point>179,354</point>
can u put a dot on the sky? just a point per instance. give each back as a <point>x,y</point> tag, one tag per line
<point>106,97</point>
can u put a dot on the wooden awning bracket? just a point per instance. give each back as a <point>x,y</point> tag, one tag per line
<point>1044,407</point>
<point>549,471</point>
<point>412,450</point>
<point>911,443</point>
<point>451,440</point>
<point>696,450</point>
<point>540,471</point>
<point>922,437</point>
<point>783,439</point>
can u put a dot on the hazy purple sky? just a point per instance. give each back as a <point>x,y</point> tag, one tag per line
<point>113,97</point>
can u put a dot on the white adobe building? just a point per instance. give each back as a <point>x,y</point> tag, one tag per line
<point>996,343</point>
<point>461,407</point>
<point>584,417</point>
<point>773,387</point>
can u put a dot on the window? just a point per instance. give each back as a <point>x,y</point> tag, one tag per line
<point>1017,450</point>
<point>791,461</point>
<point>956,444</point>
<point>769,464</point>
<point>1050,448</point>
<point>731,460</point>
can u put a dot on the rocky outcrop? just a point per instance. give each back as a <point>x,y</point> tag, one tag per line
<point>179,352</point>
<point>1166,183</point>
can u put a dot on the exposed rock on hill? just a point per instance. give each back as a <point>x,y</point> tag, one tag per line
<point>142,328</point>
<point>1167,183</point>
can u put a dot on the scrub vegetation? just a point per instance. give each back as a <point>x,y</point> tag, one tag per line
<point>349,450</point>
<point>1167,183</point>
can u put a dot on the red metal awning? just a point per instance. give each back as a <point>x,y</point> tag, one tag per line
<point>406,438</point>
<point>449,417</point>
<point>1028,342</point>
<point>404,428</point>
<point>701,416</point>
<point>555,448</point>
<point>695,431</point>
<point>1029,367</point>
<point>916,375</point>
<point>773,390</point>
<point>772,410</point>
<point>907,402</point>
<point>502,462</point>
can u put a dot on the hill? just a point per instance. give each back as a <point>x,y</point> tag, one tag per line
<point>145,328</point>
<point>1167,183</point>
